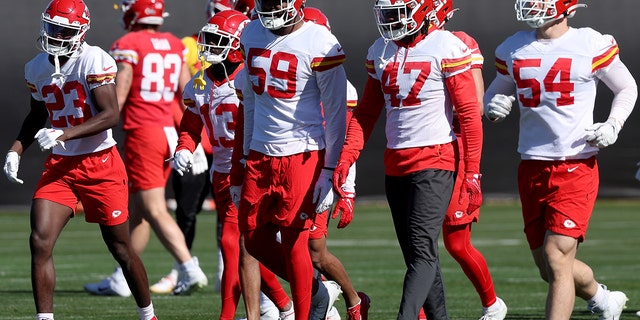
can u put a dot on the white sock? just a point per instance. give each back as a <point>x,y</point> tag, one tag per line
<point>44,316</point>
<point>118,275</point>
<point>492,307</point>
<point>146,313</point>
<point>600,299</point>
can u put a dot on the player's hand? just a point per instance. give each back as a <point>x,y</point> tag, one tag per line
<point>499,107</point>
<point>323,191</point>
<point>235,195</point>
<point>47,138</point>
<point>199,163</point>
<point>182,161</point>
<point>603,134</point>
<point>471,188</point>
<point>11,164</point>
<point>345,208</point>
<point>340,174</point>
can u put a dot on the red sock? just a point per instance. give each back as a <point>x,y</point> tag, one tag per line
<point>230,289</point>
<point>299,268</point>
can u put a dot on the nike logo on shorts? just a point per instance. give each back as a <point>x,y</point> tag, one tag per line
<point>105,159</point>
<point>573,169</point>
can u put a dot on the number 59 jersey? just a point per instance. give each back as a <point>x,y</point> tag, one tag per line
<point>157,59</point>
<point>555,83</point>
<point>68,97</point>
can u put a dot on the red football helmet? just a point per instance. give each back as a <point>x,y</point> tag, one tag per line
<point>244,6</point>
<point>537,13</point>
<point>443,11</point>
<point>64,25</point>
<point>219,39</point>
<point>316,16</point>
<point>397,19</point>
<point>142,12</point>
<point>273,18</point>
<point>215,6</point>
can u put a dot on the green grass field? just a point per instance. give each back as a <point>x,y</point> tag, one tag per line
<point>367,248</point>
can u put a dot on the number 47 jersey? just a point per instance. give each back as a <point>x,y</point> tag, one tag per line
<point>555,82</point>
<point>68,97</point>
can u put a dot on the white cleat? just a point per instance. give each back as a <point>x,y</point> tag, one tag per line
<point>333,314</point>
<point>268,310</point>
<point>498,311</point>
<point>114,285</point>
<point>190,280</point>
<point>616,302</point>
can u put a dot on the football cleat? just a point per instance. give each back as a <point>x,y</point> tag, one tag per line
<point>190,279</point>
<point>165,285</point>
<point>496,312</point>
<point>616,302</point>
<point>333,314</point>
<point>114,285</point>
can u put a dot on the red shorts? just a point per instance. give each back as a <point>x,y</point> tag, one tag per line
<point>227,211</point>
<point>557,196</point>
<point>457,211</point>
<point>145,152</point>
<point>279,190</point>
<point>318,229</point>
<point>97,179</point>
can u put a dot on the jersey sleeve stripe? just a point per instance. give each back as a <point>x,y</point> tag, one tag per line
<point>369,66</point>
<point>32,87</point>
<point>501,67</point>
<point>129,56</point>
<point>100,78</point>
<point>605,59</point>
<point>455,65</point>
<point>326,63</point>
<point>352,103</point>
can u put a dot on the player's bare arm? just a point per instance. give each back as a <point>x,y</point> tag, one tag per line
<point>124,78</point>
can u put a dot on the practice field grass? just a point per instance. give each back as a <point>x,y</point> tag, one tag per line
<point>367,248</point>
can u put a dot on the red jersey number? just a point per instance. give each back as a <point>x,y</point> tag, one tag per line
<point>275,61</point>
<point>558,79</point>
<point>390,85</point>
<point>73,89</point>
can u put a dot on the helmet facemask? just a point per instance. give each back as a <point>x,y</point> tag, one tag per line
<point>284,17</point>
<point>396,21</point>
<point>537,13</point>
<point>214,44</point>
<point>59,37</point>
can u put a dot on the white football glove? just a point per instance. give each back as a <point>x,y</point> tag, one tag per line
<point>199,163</point>
<point>603,134</point>
<point>235,195</point>
<point>323,192</point>
<point>182,161</point>
<point>47,138</point>
<point>499,107</point>
<point>638,172</point>
<point>11,164</point>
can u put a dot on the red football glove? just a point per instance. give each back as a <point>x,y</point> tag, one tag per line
<point>340,177</point>
<point>344,206</point>
<point>471,189</point>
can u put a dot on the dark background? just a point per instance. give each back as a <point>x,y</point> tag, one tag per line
<point>489,21</point>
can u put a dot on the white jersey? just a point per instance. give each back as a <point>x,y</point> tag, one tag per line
<point>556,84</point>
<point>217,106</point>
<point>292,80</point>
<point>418,106</point>
<point>68,97</point>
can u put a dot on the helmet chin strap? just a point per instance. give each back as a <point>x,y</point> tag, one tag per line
<point>56,62</point>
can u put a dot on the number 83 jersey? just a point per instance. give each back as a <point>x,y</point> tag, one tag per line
<point>555,85</point>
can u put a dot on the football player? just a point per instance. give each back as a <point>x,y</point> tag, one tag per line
<point>416,74</point>
<point>292,67</point>
<point>552,73</point>
<point>151,71</point>
<point>357,303</point>
<point>456,229</point>
<point>73,85</point>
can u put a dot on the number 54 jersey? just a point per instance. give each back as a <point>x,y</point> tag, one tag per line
<point>157,59</point>
<point>555,82</point>
<point>68,97</point>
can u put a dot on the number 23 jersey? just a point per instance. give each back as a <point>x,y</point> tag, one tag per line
<point>555,84</point>
<point>68,97</point>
